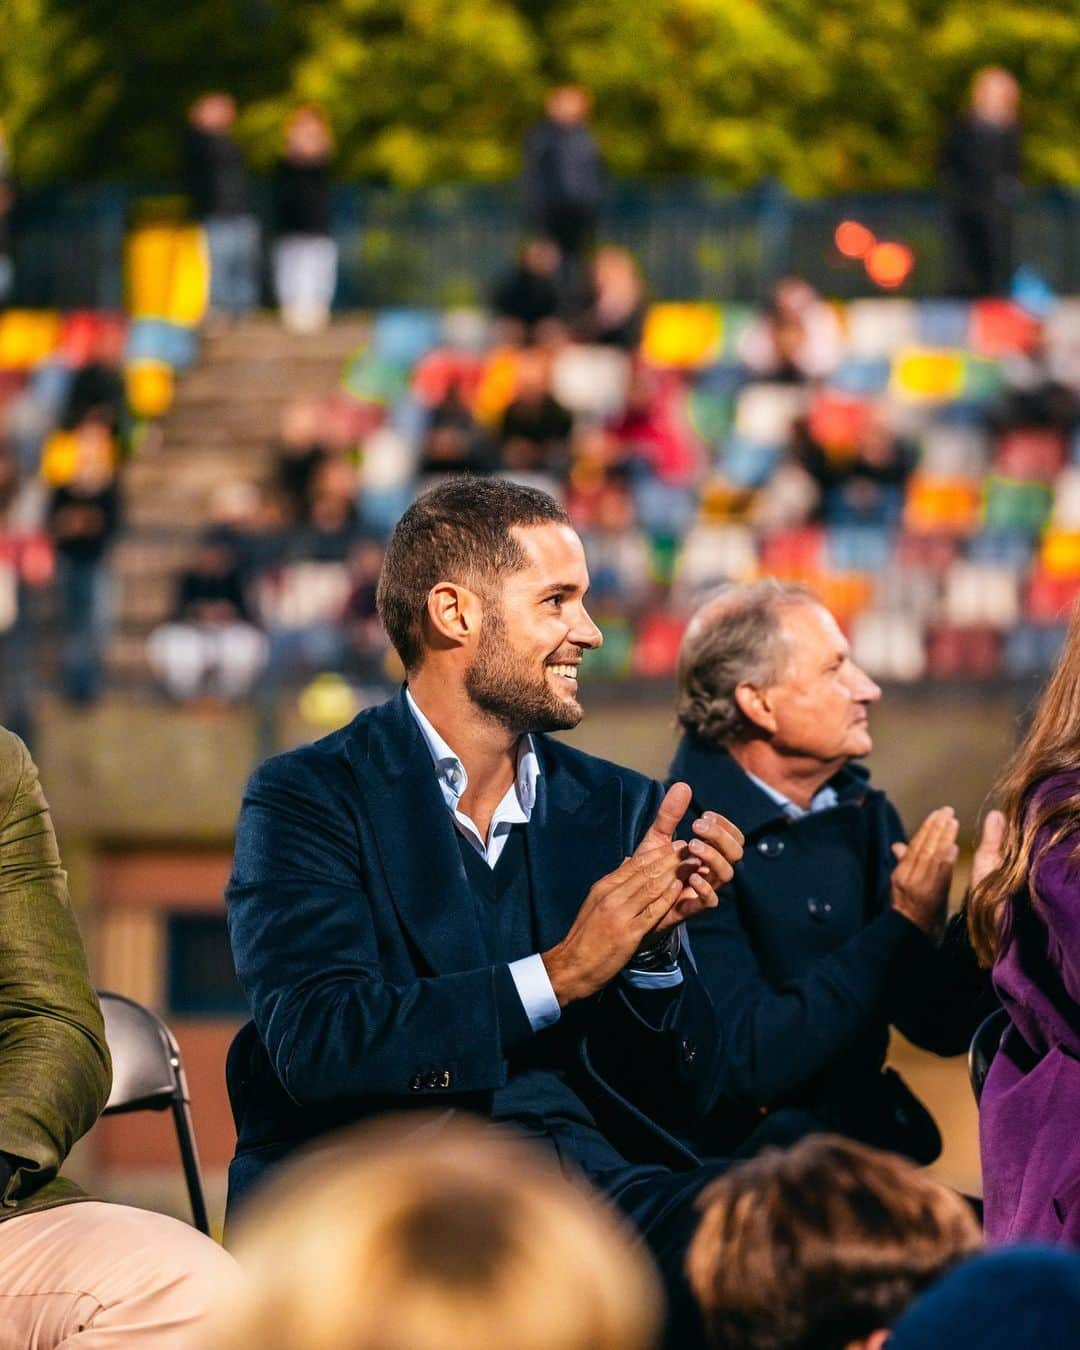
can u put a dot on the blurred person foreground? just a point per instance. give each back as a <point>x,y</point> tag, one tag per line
<point>432,1236</point>
<point>822,1247</point>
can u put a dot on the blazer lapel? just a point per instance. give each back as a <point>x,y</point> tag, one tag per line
<point>415,837</point>
<point>574,838</point>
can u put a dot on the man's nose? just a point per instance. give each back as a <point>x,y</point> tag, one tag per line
<point>866,691</point>
<point>585,633</point>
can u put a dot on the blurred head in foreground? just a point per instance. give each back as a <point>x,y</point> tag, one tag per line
<point>1000,1301</point>
<point>446,1237</point>
<point>821,1247</point>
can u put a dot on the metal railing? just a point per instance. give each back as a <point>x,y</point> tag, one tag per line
<point>447,245</point>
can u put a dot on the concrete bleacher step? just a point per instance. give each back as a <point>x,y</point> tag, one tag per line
<point>221,428</point>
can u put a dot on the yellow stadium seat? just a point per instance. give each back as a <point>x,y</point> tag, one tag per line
<point>27,337</point>
<point>1061,553</point>
<point>924,375</point>
<point>686,336</point>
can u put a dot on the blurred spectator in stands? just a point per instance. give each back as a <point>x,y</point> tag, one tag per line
<point>367,637</point>
<point>615,313</point>
<point>7,205</point>
<point>792,494</point>
<point>980,181</point>
<point>564,181</point>
<point>251,522</point>
<point>866,488</point>
<point>534,434</point>
<point>454,442</point>
<point>302,596</point>
<point>529,292</point>
<point>25,565</point>
<point>1033,394</point>
<point>300,453</point>
<point>83,517</point>
<point>822,1247</point>
<point>305,254</point>
<point>797,338</point>
<point>440,1236</point>
<point>96,393</point>
<point>1023,1296</point>
<point>210,647</point>
<point>332,515</point>
<point>620,574</point>
<point>217,184</point>
<point>662,457</point>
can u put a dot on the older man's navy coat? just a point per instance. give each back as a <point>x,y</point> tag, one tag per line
<point>359,950</point>
<point>808,965</point>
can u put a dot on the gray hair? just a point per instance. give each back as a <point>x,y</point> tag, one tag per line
<point>734,638</point>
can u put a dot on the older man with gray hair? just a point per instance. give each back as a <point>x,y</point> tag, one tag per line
<point>833,927</point>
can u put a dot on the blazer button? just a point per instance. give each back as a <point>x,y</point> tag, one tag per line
<point>770,848</point>
<point>444,1078</point>
<point>819,910</point>
<point>689,1052</point>
<point>432,1080</point>
<point>416,1082</point>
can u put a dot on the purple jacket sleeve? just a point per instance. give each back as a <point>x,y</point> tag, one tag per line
<point>1055,886</point>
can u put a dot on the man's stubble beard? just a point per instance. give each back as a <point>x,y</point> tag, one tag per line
<point>500,687</point>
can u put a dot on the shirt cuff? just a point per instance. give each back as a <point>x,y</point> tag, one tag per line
<point>654,979</point>
<point>534,989</point>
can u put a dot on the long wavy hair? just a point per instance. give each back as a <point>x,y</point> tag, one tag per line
<point>1051,746</point>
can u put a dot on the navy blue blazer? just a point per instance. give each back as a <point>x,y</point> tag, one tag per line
<point>357,944</point>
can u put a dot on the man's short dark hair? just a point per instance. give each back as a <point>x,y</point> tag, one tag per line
<point>459,531</point>
<point>822,1244</point>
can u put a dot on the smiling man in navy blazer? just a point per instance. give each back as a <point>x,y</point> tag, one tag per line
<point>439,907</point>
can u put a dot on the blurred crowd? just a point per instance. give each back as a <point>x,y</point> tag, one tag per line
<point>916,464</point>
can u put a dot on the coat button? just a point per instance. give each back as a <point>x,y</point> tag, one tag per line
<point>689,1052</point>
<point>819,910</point>
<point>416,1083</point>
<point>444,1078</point>
<point>770,848</point>
<point>431,1080</point>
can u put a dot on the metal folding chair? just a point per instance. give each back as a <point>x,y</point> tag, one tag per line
<point>984,1046</point>
<point>148,1076</point>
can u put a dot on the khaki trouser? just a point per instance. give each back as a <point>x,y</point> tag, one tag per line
<point>92,1276</point>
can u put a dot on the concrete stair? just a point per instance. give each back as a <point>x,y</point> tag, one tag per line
<point>220,429</point>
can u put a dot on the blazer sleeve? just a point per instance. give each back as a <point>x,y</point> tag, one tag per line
<point>306,949</point>
<point>777,1039</point>
<point>54,1064</point>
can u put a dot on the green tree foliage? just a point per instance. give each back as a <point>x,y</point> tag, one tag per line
<point>826,96</point>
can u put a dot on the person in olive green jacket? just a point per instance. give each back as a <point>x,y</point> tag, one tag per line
<point>73,1270</point>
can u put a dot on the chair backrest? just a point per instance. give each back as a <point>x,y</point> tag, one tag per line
<point>145,1056</point>
<point>984,1046</point>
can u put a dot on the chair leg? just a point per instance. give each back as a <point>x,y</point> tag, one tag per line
<point>189,1157</point>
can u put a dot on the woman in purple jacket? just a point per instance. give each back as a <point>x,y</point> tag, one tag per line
<point>1025,918</point>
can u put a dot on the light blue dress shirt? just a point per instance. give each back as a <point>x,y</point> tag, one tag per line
<point>823,800</point>
<point>529,973</point>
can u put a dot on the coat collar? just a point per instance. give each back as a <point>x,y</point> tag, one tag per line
<point>420,855</point>
<point>720,784</point>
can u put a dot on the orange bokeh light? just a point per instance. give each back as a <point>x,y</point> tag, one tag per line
<point>853,240</point>
<point>889,265</point>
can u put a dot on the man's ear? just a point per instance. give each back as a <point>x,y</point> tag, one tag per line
<point>454,613</point>
<point>756,706</point>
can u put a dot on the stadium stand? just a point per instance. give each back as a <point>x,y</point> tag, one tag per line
<point>928,486</point>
